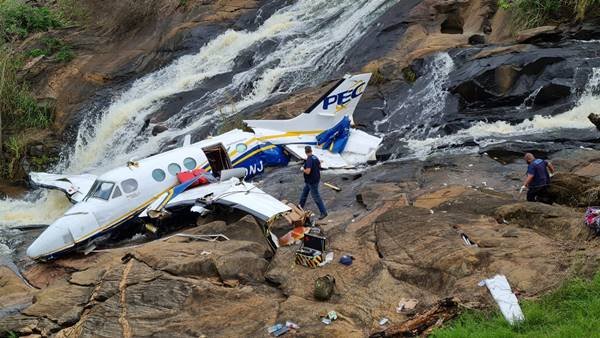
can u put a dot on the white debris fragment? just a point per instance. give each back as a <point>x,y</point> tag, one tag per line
<point>505,298</point>
<point>470,165</point>
<point>431,211</point>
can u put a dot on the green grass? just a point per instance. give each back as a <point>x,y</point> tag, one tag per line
<point>51,46</point>
<point>534,13</point>
<point>571,311</point>
<point>18,19</point>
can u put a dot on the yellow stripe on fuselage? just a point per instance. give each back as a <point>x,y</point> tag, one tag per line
<point>271,137</point>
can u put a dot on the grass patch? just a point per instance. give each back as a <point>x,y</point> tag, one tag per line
<point>18,19</point>
<point>19,109</point>
<point>51,46</point>
<point>534,13</point>
<point>571,311</point>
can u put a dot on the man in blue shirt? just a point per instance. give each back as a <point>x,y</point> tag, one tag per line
<point>312,177</point>
<point>538,179</point>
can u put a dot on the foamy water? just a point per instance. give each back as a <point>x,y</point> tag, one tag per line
<point>495,132</point>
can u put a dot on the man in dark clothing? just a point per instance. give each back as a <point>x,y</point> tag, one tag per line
<point>538,179</point>
<point>312,177</point>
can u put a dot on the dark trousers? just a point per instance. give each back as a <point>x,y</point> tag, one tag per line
<point>313,188</point>
<point>539,194</point>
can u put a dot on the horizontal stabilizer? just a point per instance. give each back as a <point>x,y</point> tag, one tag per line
<point>75,187</point>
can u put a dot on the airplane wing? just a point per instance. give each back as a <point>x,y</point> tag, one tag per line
<point>74,186</point>
<point>233,193</point>
<point>360,148</point>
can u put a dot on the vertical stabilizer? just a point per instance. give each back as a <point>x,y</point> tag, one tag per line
<point>327,111</point>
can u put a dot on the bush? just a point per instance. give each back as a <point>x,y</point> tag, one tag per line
<point>533,13</point>
<point>19,109</point>
<point>53,47</point>
<point>18,19</point>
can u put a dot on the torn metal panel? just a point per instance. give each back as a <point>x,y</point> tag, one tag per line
<point>74,186</point>
<point>505,298</point>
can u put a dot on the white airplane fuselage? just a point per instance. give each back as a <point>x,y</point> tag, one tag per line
<point>121,194</point>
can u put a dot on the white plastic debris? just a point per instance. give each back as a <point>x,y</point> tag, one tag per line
<point>505,298</point>
<point>383,321</point>
<point>431,211</point>
<point>328,259</point>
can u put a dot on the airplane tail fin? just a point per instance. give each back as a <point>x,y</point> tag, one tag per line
<point>341,100</point>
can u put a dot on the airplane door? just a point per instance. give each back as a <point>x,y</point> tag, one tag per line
<point>218,158</point>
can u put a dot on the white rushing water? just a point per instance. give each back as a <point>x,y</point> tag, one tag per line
<point>312,37</point>
<point>499,131</point>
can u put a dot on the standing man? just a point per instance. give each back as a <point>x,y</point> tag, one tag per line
<point>312,176</point>
<point>538,179</point>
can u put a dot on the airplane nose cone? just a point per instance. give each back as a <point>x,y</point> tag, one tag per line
<point>54,239</point>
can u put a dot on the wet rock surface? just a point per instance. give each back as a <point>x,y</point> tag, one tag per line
<point>405,234</point>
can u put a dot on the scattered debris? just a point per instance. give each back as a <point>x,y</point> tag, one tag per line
<point>328,259</point>
<point>431,211</point>
<point>383,321</point>
<point>329,317</point>
<point>424,322</point>
<point>592,219</point>
<point>292,325</point>
<point>346,260</point>
<point>467,240</point>
<point>505,298</point>
<point>406,304</point>
<point>274,328</point>
<point>296,217</point>
<point>324,287</point>
<point>294,235</point>
<point>332,187</point>
<point>281,331</point>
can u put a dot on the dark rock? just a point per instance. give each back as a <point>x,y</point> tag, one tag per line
<point>453,24</point>
<point>595,119</point>
<point>551,93</point>
<point>477,39</point>
<point>159,128</point>
<point>36,150</point>
<point>540,34</point>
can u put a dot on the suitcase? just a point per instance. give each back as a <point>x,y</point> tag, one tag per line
<point>311,252</point>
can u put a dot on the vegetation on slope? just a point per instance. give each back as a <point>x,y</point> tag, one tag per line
<point>571,311</point>
<point>19,110</point>
<point>533,13</point>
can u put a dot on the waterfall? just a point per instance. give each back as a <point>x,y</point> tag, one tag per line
<point>496,132</point>
<point>312,38</point>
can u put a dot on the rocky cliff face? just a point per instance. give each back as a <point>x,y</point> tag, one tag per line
<point>440,69</point>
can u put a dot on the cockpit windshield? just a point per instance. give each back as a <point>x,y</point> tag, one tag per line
<point>101,190</point>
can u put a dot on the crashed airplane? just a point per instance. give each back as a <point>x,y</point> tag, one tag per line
<point>199,177</point>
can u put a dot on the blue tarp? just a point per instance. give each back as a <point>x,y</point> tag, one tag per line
<point>335,139</point>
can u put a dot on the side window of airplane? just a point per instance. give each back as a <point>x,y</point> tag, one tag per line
<point>174,169</point>
<point>158,175</point>
<point>241,147</point>
<point>103,190</point>
<point>129,185</point>
<point>117,192</point>
<point>189,163</point>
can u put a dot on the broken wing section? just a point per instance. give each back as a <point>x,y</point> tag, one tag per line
<point>232,193</point>
<point>75,187</point>
<point>360,148</point>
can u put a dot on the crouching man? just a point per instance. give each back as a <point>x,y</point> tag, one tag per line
<point>538,179</point>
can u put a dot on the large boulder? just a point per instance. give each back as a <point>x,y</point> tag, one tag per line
<point>574,190</point>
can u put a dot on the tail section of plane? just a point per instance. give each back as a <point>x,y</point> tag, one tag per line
<point>327,111</point>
